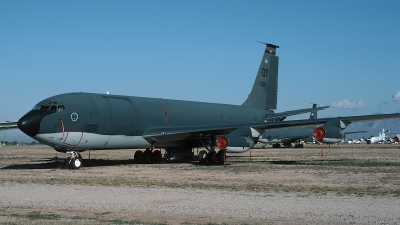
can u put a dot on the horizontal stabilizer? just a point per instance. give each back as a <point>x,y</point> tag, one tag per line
<point>8,125</point>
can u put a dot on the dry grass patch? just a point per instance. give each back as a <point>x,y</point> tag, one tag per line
<point>358,169</point>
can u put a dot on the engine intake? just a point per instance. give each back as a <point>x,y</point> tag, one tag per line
<point>319,133</point>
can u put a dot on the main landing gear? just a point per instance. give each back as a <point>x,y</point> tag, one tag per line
<point>212,156</point>
<point>148,156</point>
<point>74,161</point>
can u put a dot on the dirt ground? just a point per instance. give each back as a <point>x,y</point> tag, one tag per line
<point>363,170</point>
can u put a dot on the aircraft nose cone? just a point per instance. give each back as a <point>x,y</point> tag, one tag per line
<point>30,122</point>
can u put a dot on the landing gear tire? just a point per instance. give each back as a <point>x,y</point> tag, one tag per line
<point>276,145</point>
<point>147,156</point>
<point>137,158</point>
<point>68,162</point>
<point>212,157</point>
<point>156,156</point>
<point>221,157</point>
<point>76,164</point>
<point>202,157</point>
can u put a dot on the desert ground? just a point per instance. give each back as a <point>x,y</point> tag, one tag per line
<point>350,184</point>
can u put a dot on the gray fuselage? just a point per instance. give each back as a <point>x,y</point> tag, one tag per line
<point>85,121</point>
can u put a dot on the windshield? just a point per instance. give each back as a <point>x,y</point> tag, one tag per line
<point>50,107</point>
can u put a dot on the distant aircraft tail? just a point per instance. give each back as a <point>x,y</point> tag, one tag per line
<point>313,114</point>
<point>265,89</point>
<point>383,134</point>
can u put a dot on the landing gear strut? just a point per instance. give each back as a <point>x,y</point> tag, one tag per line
<point>74,161</point>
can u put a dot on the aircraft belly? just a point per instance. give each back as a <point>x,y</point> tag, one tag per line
<point>95,141</point>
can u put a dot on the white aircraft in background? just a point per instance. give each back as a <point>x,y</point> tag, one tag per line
<point>379,139</point>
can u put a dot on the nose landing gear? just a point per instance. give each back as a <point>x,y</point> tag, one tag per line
<point>74,161</point>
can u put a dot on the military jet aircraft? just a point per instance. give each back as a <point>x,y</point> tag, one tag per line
<point>76,122</point>
<point>288,136</point>
<point>330,132</point>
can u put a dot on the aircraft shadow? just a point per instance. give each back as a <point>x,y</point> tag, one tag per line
<point>49,163</point>
<point>287,162</point>
<point>59,163</point>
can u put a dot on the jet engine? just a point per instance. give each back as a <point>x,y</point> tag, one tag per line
<point>328,134</point>
<point>236,144</point>
<point>319,133</point>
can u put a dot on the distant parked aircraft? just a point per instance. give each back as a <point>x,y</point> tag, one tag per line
<point>290,135</point>
<point>331,132</point>
<point>381,138</point>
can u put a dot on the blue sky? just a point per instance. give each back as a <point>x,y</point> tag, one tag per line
<point>345,54</point>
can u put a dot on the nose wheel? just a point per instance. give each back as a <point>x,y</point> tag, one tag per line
<point>74,161</point>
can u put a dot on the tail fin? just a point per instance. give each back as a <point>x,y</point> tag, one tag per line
<point>265,89</point>
<point>313,114</point>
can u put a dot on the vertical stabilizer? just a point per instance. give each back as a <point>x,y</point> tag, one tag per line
<point>265,89</point>
<point>313,113</point>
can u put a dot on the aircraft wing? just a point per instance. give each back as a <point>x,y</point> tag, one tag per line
<point>283,115</point>
<point>178,133</point>
<point>8,125</point>
<point>355,132</point>
<point>316,122</point>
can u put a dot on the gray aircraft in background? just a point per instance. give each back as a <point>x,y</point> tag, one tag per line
<point>329,133</point>
<point>76,122</point>
<point>288,136</point>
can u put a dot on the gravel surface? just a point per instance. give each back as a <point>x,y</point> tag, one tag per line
<point>176,206</point>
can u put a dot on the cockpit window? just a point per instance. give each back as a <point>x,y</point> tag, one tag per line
<point>52,107</point>
<point>41,107</point>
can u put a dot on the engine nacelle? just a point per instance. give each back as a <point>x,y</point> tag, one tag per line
<point>236,144</point>
<point>328,134</point>
<point>319,133</point>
